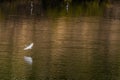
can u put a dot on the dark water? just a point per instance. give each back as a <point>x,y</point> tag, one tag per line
<point>66,46</point>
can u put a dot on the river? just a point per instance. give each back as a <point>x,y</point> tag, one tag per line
<point>67,46</point>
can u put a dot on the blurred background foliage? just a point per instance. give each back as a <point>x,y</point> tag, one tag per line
<point>53,8</point>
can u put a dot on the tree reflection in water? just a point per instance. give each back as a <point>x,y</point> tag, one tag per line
<point>53,7</point>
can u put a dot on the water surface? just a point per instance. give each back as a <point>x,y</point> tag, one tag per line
<point>67,46</point>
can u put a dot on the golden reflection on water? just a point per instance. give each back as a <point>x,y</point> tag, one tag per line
<point>59,30</point>
<point>22,35</point>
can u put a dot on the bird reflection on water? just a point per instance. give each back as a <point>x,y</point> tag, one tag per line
<point>28,60</point>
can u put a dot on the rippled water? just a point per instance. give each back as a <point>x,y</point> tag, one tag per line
<point>65,47</point>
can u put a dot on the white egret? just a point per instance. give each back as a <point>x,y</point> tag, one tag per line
<point>31,4</point>
<point>67,6</point>
<point>29,46</point>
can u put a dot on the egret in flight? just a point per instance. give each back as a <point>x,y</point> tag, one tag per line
<point>29,46</point>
